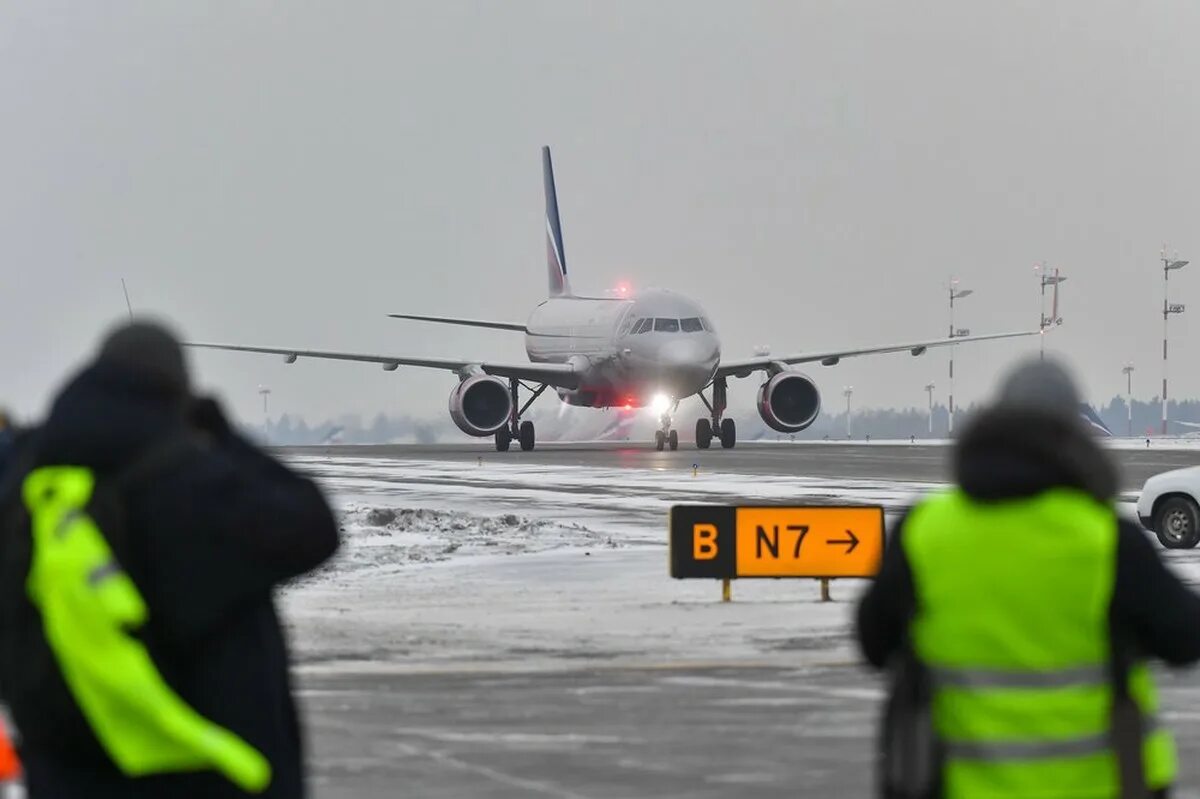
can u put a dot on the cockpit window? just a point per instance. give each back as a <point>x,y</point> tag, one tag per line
<point>642,326</point>
<point>666,325</point>
<point>691,325</point>
<point>708,325</point>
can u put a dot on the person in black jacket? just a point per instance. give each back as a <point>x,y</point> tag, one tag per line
<point>206,536</point>
<point>1028,442</point>
<point>8,439</point>
<point>1012,453</point>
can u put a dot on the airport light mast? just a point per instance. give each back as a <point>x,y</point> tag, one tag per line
<point>1169,265</point>
<point>929,390</point>
<point>955,294</point>
<point>266,394</point>
<point>1128,372</point>
<point>848,392</point>
<point>1053,319</point>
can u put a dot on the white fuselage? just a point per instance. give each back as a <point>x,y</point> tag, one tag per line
<point>623,360</point>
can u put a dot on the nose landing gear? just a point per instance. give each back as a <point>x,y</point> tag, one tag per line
<point>716,426</point>
<point>667,436</point>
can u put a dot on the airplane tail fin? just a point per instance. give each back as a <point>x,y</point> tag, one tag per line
<point>556,259</point>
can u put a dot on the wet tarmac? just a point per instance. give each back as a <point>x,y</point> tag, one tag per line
<point>508,678</point>
<point>674,731</point>
<point>802,459</point>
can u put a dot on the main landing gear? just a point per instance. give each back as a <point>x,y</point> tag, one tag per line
<point>716,427</point>
<point>667,436</point>
<point>516,430</point>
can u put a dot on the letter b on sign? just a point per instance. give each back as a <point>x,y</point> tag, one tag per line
<point>704,541</point>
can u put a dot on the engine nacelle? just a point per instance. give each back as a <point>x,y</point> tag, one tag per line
<point>789,402</point>
<point>481,405</point>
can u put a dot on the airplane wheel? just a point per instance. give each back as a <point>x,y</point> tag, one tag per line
<point>527,437</point>
<point>503,439</point>
<point>673,440</point>
<point>728,433</point>
<point>660,440</point>
<point>704,433</point>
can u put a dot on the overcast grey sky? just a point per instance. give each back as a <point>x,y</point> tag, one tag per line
<point>811,172</point>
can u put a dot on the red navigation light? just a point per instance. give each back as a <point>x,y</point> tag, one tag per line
<point>623,288</point>
<point>630,402</point>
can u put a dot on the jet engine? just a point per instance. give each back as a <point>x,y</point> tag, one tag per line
<point>789,402</point>
<point>481,405</point>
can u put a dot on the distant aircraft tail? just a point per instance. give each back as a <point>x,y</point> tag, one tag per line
<point>556,259</point>
<point>1093,422</point>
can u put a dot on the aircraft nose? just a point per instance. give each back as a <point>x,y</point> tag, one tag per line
<point>691,360</point>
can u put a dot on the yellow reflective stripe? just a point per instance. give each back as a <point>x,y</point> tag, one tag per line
<point>1033,680</point>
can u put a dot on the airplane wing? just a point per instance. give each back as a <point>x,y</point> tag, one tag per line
<point>558,375</point>
<point>744,368</point>
<point>454,320</point>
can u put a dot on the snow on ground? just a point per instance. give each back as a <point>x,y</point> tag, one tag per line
<point>504,565</point>
<point>510,565</point>
<point>1156,442</point>
<point>1172,443</point>
<point>629,503</point>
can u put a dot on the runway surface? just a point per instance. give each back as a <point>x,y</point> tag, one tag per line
<point>669,733</point>
<point>919,462</point>
<point>502,625</point>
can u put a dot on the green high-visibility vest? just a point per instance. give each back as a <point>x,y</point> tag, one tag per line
<point>1013,622</point>
<point>88,606</point>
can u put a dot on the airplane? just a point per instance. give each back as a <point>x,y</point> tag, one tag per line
<point>651,348</point>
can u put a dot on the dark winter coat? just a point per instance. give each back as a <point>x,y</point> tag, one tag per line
<point>1007,455</point>
<point>1013,454</point>
<point>207,540</point>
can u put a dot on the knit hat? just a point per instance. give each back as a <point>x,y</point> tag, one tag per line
<point>149,350</point>
<point>1042,387</point>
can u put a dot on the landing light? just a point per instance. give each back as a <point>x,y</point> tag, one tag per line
<point>660,403</point>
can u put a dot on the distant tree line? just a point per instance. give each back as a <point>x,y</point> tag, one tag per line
<point>879,423</point>
<point>350,429</point>
<point>892,423</point>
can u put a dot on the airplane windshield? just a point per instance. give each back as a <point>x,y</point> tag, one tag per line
<point>691,325</point>
<point>666,325</point>
<point>642,326</point>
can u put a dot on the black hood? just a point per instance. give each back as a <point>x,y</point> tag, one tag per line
<point>106,415</point>
<point>1009,453</point>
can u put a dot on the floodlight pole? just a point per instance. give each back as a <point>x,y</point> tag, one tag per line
<point>265,393</point>
<point>929,390</point>
<point>847,393</point>
<point>1169,264</point>
<point>955,294</point>
<point>1128,371</point>
<point>1053,319</point>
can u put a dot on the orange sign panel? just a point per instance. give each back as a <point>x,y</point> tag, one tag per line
<point>724,542</point>
<point>808,542</point>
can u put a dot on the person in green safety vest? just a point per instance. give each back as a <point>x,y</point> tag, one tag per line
<point>1016,611</point>
<point>141,541</point>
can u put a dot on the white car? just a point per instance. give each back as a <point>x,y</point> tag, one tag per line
<point>1168,506</point>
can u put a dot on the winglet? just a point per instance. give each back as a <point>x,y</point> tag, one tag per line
<point>556,258</point>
